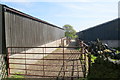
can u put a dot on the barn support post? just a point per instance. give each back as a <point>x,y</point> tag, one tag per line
<point>8,67</point>
<point>89,63</point>
<point>1,42</point>
<point>0,29</point>
<point>3,54</point>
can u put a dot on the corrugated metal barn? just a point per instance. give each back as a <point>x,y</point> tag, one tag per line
<point>107,32</point>
<point>20,29</point>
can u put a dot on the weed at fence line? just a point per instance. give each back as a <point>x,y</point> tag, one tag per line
<point>16,77</point>
<point>82,79</point>
<point>117,51</point>
<point>118,48</point>
<point>93,58</point>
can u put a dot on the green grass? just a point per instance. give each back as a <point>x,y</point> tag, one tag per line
<point>117,51</point>
<point>117,48</point>
<point>78,48</point>
<point>16,77</point>
<point>93,58</point>
<point>82,79</point>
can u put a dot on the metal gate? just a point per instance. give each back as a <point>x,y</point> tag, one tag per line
<point>66,63</point>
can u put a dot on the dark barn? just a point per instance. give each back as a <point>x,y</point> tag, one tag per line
<point>22,30</point>
<point>18,29</point>
<point>107,32</point>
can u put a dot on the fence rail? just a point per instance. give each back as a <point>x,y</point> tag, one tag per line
<point>67,63</point>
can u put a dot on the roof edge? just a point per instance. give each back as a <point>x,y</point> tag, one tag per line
<point>6,8</point>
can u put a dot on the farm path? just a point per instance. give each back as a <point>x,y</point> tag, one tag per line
<point>58,65</point>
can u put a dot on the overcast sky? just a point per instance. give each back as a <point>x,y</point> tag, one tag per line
<point>81,14</point>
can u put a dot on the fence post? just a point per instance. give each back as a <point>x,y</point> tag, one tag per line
<point>84,62</point>
<point>84,57</point>
<point>8,65</point>
<point>25,61</point>
<point>89,63</point>
<point>43,64</point>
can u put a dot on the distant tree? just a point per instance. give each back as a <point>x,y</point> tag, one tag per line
<point>69,31</point>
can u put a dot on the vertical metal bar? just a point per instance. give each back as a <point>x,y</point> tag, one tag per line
<point>25,63</point>
<point>84,64</point>
<point>61,42</point>
<point>84,60</point>
<point>77,69</point>
<point>45,49</point>
<point>43,63</point>
<point>82,57</point>
<point>72,71</point>
<point>44,55</point>
<point>63,61</point>
<point>8,62</point>
<point>89,63</point>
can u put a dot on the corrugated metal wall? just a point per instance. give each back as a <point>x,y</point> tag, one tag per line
<point>106,31</point>
<point>22,31</point>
